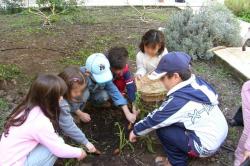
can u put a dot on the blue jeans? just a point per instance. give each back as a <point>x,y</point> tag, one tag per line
<point>99,96</point>
<point>40,156</point>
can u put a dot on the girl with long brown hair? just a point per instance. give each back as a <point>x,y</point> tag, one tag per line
<point>30,135</point>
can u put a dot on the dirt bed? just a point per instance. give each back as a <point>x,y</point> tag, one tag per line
<point>34,50</point>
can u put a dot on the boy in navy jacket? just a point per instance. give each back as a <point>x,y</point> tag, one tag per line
<point>189,122</point>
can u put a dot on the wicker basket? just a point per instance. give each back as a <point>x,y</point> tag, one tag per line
<point>150,91</point>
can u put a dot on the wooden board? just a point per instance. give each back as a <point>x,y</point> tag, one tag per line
<point>236,58</point>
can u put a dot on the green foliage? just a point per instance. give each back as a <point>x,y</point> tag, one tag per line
<point>60,5</point>
<point>11,6</point>
<point>245,15</point>
<point>77,16</point>
<point>9,72</point>
<point>123,141</point>
<point>195,34</point>
<point>238,6</point>
<point>149,141</point>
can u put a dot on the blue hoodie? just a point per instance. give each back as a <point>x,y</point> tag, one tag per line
<point>192,105</point>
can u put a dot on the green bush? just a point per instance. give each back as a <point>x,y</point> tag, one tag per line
<point>60,5</point>
<point>195,34</point>
<point>11,6</point>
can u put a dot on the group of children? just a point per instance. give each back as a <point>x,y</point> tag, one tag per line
<point>188,123</point>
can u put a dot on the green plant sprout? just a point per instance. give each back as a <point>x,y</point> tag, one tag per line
<point>146,140</point>
<point>140,106</point>
<point>150,142</point>
<point>123,141</point>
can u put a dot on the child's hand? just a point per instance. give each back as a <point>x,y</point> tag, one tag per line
<point>131,117</point>
<point>138,77</point>
<point>246,155</point>
<point>83,116</point>
<point>91,148</point>
<point>83,155</point>
<point>132,136</point>
<point>135,110</point>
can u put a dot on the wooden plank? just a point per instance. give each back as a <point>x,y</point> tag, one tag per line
<point>236,58</point>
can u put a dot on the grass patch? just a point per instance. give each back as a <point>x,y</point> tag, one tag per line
<point>9,72</point>
<point>79,58</point>
<point>3,113</point>
<point>245,16</point>
<point>132,52</point>
<point>3,104</point>
<point>234,134</point>
<point>79,16</point>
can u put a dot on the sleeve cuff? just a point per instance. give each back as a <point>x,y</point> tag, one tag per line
<point>85,142</point>
<point>135,132</point>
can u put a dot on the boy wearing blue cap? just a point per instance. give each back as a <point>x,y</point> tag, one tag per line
<point>189,122</point>
<point>100,84</point>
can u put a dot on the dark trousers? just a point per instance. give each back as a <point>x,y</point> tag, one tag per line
<point>175,143</point>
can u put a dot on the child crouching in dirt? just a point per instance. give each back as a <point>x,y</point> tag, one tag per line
<point>30,135</point>
<point>101,86</point>
<point>74,101</point>
<point>189,122</point>
<point>243,149</point>
<point>122,77</point>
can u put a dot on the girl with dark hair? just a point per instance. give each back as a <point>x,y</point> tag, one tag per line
<point>152,48</point>
<point>74,102</point>
<point>30,135</point>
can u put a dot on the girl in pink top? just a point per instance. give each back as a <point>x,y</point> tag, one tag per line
<point>243,149</point>
<point>30,135</point>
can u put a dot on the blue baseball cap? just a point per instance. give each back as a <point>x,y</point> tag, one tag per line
<point>98,65</point>
<point>170,63</point>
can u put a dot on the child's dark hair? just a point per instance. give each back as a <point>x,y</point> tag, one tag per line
<point>73,77</point>
<point>152,38</point>
<point>185,75</point>
<point>44,92</point>
<point>118,57</point>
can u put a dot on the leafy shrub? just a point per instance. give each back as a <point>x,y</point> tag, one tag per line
<point>195,34</point>
<point>11,6</point>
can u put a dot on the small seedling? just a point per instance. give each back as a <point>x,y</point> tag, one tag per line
<point>146,140</point>
<point>140,106</point>
<point>123,141</point>
<point>149,141</point>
